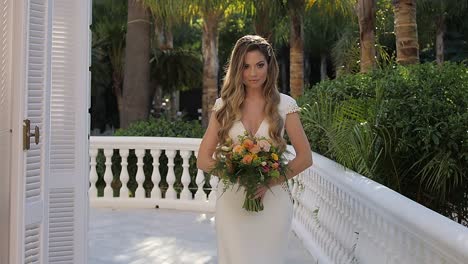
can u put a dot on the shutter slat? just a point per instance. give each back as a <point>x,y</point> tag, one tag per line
<point>61,224</point>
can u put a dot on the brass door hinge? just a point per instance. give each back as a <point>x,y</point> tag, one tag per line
<point>27,134</point>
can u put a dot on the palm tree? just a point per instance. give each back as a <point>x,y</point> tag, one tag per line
<point>323,26</point>
<point>366,16</point>
<point>296,50</point>
<point>406,31</point>
<point>166,15</point>
<point>346,52</point>
<point>176,70</point>
<point>212,12</point>
<point>266,15</point>
<point>137,66</point>
<point>440,10</point>
<point>109,30</point>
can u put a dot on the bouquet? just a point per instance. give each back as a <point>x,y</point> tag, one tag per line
<point>251,162</point>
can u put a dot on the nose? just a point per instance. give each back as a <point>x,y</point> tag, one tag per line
<point>253,71</point>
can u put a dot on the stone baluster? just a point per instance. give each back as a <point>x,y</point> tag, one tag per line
<point>156,176</point>
<point>93,177</point>
<point>170,193</point>
<point>185,194</point>
<point>108,177</point>
<point>213,184</point>
<point>124,173</point>
<point>200,195</point>
<point>140,175</point>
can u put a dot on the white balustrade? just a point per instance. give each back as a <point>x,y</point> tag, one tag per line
<point>343,217</point>
<point>340,216</point>
<point>156,146</point>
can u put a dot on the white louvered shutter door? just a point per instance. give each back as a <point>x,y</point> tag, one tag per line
<point>36,110</point>
<point>68,180</point>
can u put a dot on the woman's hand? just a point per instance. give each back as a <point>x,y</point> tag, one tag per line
<point>260,192</point>
<point>262,189</point>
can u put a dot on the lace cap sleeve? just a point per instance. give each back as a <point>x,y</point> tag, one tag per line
<point>218,104</point>
<point>291,105</point>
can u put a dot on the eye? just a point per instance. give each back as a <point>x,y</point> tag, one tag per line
<point>260,65</point>
<point>246,66</point>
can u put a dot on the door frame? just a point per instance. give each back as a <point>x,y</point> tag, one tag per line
<point>6,135</point>
<point>18,84</point>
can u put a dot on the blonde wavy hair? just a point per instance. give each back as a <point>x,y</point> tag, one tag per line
<point>233,90</point>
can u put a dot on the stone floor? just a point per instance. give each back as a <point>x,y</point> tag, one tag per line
<point>161,236</point>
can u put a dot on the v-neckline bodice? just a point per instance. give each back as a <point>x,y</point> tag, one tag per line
<point>258,128</point>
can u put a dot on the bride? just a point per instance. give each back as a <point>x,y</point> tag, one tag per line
<point>250,101</point>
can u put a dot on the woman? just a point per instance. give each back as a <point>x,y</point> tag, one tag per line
<point>250,101</point>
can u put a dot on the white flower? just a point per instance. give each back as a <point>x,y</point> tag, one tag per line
<point>263,163</point>
<point>225,148</point>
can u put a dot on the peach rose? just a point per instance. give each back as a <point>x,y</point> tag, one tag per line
<point>238,149</point>
<point>255,149</point>
<point>264,144</point>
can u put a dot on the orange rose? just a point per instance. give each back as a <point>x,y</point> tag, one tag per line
<point>275,165</point>
<point>248,144</point>
<point>247,159</point>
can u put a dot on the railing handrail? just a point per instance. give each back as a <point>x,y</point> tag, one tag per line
<point>412,216</point>
<point>97,142</point>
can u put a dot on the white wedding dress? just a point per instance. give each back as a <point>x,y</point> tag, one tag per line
<point>254,237</point>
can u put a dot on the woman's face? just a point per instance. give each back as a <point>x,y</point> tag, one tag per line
<point>255,70</point>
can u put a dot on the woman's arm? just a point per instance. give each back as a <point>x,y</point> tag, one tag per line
<point>205,161</point>
<point>301,145</point>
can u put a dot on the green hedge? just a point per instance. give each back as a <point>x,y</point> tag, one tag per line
<point>163,127</point>
<point>405,127</point>
<point>152,128</point>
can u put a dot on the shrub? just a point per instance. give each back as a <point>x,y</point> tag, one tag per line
<point>163,127</point>
<point>404,127</point>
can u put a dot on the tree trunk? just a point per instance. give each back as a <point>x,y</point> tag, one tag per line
<point>175,101</point>
<point>137,68</point>
<point>323,67</point>
<point>117,87</point>
<point>284,67</point>
<point>164,41</point>
<point>296,41</point>
<point>210,65</point>
<point>262,23</point>
<point>164,38</point>
<point>406,32</point>
<point>440,23</point>
<point>366,16</point>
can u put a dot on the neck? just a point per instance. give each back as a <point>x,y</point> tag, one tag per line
<point>253,93</point>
